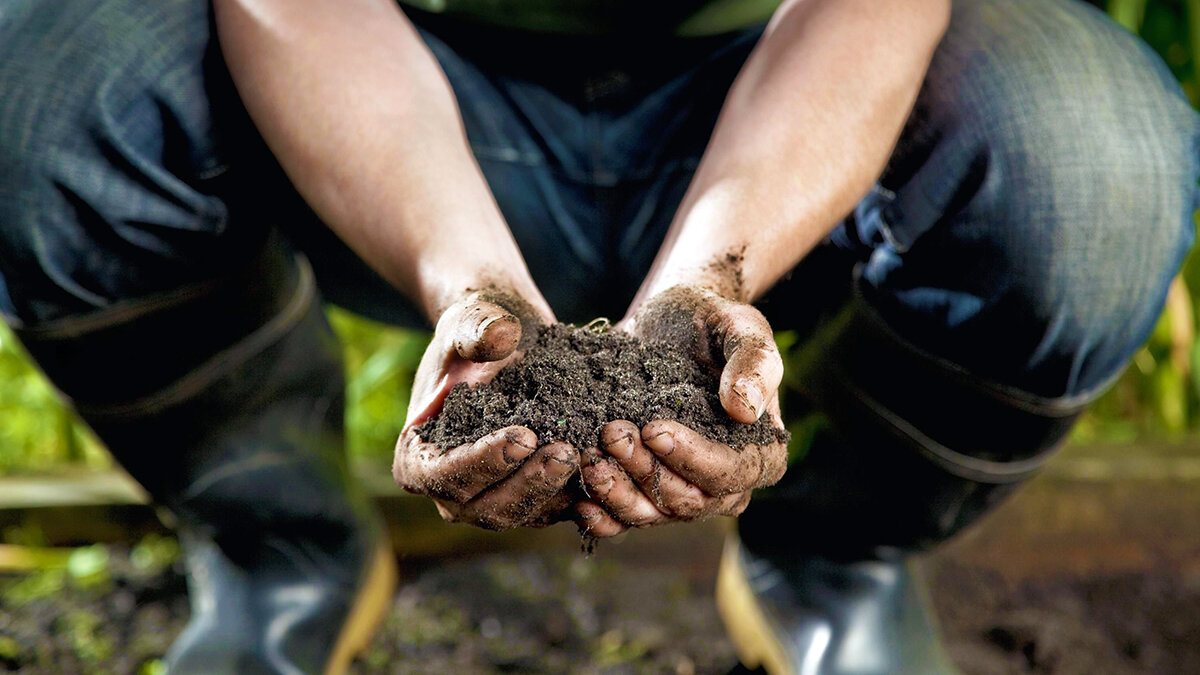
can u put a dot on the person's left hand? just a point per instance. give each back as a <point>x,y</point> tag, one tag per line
<point>665,471</point>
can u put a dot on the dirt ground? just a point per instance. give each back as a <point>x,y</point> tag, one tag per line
<point>557,611</point>
<point>1081,573</point>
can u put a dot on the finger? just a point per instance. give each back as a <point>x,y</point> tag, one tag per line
<point>593,520</point>
<point>715,468</point>
<point>730,505</point>
<point>608,485</point>
<point>669,492</point>
<point>483,331</point>
<point>753,367</point>
<point>461,473</point>
<point>525,496</point>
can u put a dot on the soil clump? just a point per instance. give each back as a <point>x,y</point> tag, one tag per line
<point>573,380</point>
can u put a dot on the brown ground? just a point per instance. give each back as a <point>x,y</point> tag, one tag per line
<point>1094,568</point>
<point>555,611</point>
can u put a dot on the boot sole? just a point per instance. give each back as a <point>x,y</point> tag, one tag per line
<point>370,607</point>
<point>744,620</point>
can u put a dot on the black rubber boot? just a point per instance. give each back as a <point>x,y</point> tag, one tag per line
<point>909,449</point>
<point>803,613</point>
<point>225,402</point>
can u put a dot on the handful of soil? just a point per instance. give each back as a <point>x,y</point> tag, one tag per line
<point>574,380</point>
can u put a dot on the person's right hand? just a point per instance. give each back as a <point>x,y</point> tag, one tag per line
<point>502,480</point>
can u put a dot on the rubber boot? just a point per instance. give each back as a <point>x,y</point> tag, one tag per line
<point>909,450</point>
<point>225,401</point>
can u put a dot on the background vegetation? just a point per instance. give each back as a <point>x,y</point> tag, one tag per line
<point>1157,398</point>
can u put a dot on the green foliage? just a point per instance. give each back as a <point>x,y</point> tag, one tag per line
<point>39,431</point>
<point>380,364</point>
<point>36,429</point>
<point>1159,396</point>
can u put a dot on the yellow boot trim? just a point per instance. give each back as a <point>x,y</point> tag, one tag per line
<point>371,605</point>
<point>744,620</point>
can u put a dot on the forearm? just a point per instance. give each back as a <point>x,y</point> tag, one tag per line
<point>807,127</point>
<point>363,121</point>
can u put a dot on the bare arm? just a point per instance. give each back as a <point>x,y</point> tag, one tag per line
<point>363,121</point>
<point>806,129</point>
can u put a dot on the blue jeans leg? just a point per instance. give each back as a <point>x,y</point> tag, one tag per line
<point>129,168</point>
<point>116,128</point>
<point>1039,202</point>
<point>1015,253</point>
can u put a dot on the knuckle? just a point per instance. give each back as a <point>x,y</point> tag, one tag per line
<point>643,517</point>
<point>688,506</point>
<point>775,472</point>
<point>456,493</point>
<point>492,522</point>
<point>447,488</point>
<point>408,483</point>
<point>736,508</point>
<point>722,485</point>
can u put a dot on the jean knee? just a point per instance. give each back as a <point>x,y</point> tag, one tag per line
<point>1074,158</point>
<point>105,145</point>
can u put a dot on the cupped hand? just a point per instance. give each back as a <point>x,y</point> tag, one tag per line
<point>666,472</point>
<point>503,479</point>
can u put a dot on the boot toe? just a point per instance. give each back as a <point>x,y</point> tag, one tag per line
<point>809,615</point>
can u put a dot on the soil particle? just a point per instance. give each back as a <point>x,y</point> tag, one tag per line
<point>574,380</point>
<point>727,273</point>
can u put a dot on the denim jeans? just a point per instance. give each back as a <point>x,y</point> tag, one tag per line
<point>1025,229</point>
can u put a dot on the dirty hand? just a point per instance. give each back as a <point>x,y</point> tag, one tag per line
<point>504,479</point>
<point>665,471</point>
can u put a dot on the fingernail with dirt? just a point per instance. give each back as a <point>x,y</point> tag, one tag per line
<point>561,461</point>
<point>750,394</point>
<point>522,437</point>
<point>662,443</point>
<point>515,452</point>
<point>588,512</point>
<point>621,448</point>
<point>482,327</point>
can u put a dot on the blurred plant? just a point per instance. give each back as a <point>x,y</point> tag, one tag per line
<point>154,553</point>
<point>380,364</point>
<point>38,431</point>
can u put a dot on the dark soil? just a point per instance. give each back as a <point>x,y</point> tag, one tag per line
<point>574,380</point>
<point>118,616</point>
<point>1118,623</point>
<point>618,613</point>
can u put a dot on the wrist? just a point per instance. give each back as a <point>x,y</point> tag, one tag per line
<point>721,274</point>
<point>441,285</point>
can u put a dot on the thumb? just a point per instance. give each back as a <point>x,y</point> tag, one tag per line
<point>484,331</point>
<point>752,373</point>
<point>750,377</point>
